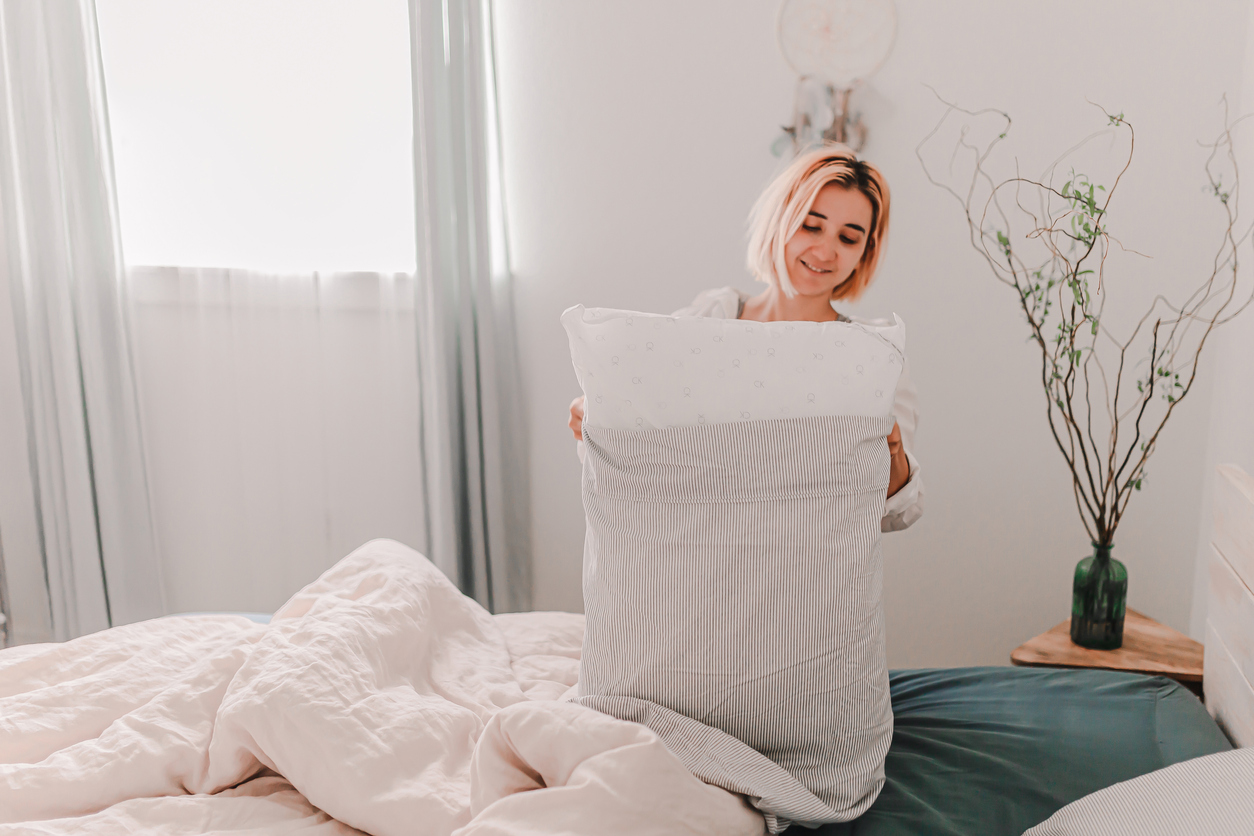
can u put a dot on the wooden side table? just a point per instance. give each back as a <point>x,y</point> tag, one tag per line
<point>1148,647</point>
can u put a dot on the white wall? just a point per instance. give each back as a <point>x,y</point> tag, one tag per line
<point>635,138</point>
<point>1231,436</point>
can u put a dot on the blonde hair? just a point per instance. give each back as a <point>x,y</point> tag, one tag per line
<point>784,204</point>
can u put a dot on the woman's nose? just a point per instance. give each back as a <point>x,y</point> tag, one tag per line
<point>825,250</point>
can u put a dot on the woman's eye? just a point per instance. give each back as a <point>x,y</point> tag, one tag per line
<point>848,240</point>
<point>809,228</point>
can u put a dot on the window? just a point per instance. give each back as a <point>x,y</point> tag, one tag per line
<point>265,134</point>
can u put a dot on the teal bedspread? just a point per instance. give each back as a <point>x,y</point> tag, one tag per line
<point>994,751</point>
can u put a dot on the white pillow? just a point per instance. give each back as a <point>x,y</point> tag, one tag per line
<point>771,508</point>
<point>1207,796</point>
<point>683,371</point>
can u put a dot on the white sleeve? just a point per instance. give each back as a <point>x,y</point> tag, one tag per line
<point>904,507</point>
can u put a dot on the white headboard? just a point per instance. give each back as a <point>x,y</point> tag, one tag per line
<point>1229,659</point>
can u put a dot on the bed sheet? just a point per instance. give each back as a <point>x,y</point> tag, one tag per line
<point>997,750</point>
<point>994,751</point>
<point>256,617</point>
<point>378,700</point>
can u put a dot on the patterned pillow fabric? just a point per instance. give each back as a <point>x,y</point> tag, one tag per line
<point>732,567</point>
<point>644,371</point>
<point>1207,796</point>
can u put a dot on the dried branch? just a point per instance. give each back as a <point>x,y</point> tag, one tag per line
<point>1063,293</point>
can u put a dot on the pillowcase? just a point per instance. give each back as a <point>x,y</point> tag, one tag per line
<point>734,481</point>
<point>1207,796</point>
<point>644,371</point>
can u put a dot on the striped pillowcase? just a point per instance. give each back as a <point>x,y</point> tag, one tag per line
<point>1207,796</point>
<point>732,585</point>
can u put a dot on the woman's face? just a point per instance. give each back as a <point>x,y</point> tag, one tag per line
<point>823,253</point>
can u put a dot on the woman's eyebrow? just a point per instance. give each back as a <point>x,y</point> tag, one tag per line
<point>852,226</point>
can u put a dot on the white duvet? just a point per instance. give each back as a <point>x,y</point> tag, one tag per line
<point>379,699</point>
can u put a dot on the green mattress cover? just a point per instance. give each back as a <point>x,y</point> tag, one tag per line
<point>994,751</point>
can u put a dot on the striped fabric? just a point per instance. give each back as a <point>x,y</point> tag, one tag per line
<point>732,584</point>
<point>1207,796</point>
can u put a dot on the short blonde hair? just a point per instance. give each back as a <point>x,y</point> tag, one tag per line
<point>784,204</point>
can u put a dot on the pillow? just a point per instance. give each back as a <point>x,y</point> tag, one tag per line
<point>1207,796</point>
<point>732,565</point>
<point>644,371</point>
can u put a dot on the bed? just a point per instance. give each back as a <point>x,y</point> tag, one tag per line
<point>997,750</point>
<point>994,751</point>
<point>331,715</point>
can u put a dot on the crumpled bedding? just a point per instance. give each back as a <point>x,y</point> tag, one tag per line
<point>379,699</point>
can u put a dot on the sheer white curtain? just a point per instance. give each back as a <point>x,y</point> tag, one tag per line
<point>474,442</point>
<point>281,419</point>
<point>286,418</point>
<point>291,417</point>
<point>79,549</point>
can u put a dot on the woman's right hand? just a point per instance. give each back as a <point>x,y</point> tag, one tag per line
<point>576,418</point>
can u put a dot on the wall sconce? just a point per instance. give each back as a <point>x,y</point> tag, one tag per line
<point>833,46</point>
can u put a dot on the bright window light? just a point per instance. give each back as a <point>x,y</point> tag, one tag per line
<point>273,135</point>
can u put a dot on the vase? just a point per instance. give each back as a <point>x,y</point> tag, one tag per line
<point>1099,600</point>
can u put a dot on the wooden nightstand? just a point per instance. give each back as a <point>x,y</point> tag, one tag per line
<point>1148,647</point>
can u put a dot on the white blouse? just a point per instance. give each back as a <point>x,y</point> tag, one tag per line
<point>903,507</point>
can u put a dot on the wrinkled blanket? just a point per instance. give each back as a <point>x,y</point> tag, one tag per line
<point>379,699</point>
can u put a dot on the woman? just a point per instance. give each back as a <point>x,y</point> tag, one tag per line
<point>816,235</point>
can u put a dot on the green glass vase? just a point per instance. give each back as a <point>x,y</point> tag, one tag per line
<point>1099,600</point>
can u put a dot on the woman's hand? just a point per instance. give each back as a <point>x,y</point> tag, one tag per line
<point>576,421</point>
<point>898,474</point>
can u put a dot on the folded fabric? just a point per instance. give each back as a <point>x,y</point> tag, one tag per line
<point>732,565</point>
<point>380,700</point>
<point>646,371</point>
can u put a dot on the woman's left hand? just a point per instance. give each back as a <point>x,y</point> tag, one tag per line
<point>899,473</point>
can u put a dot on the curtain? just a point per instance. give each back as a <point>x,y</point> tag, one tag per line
<point>474,444</point>
<point>80,553</point>
<point>281,417</point>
